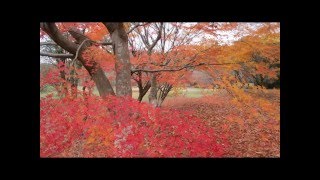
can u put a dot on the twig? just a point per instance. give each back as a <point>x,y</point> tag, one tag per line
<point>79,49</point>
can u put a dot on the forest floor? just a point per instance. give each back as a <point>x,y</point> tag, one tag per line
<point>247,137</point>
<point>258,137</point>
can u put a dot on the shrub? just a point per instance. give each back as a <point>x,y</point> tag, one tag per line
<point>121,127</point>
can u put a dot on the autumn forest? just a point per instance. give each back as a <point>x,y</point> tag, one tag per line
<point>159,89</point>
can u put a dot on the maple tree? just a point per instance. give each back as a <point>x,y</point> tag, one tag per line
<point>161,48</point>
<point>158,57</point>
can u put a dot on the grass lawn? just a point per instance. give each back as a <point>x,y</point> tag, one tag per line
<point>188,92</point>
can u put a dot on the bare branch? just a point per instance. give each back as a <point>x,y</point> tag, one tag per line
<point>135,26</point>
<point>56,55</point>
<point>146,33</point>
<point>144,40</point>
<point>47,43</point>
<point>79,49</point>
<point>54,44</point>
<point>157,39</point>
<point>188,66</point>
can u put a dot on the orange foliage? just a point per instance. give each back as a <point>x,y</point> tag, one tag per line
<point>99,55</point>
<point>96,31</point>
<point>247,117</point>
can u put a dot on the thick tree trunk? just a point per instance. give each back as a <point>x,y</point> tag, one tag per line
<point>98,76</point>
<point>103,84</point>
<point>153,90</point>
<point>123,66</point>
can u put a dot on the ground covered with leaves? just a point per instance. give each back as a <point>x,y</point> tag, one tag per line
<point>226,124</point>
<point>252,129</point>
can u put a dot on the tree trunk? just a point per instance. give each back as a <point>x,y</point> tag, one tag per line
<point>74,82</point>
<point>63,89</point>
<point>143,90</point>
<point>164,91</point>
<point>103,84</point>
<point>140,97</point>
<point>153,90</point>
<point>74,90</point>
<point>122,66</point>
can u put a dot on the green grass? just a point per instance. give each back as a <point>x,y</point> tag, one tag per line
<point>196,92</point>
<point>188,92</point>
<point>48,90</point>
<point>135,93</point>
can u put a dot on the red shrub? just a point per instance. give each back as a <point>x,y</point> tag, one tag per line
<point>122,127</point>
<point>60,124</point>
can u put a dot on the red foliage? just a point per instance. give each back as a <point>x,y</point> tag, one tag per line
<point>51,77</point>
<point>98,55</point>
<point>59,126</point>
<point>122,127</point>
<point>251,123</point>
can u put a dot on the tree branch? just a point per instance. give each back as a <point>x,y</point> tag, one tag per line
<point>56,55</point>
<point>79,49</point>
<point>47,43</point>
<point>145,41</point>
<point>187,66</point>
<point>54,44</point>
<point>135,26</point>
<point>54,33</point>
<point>157,39</point>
